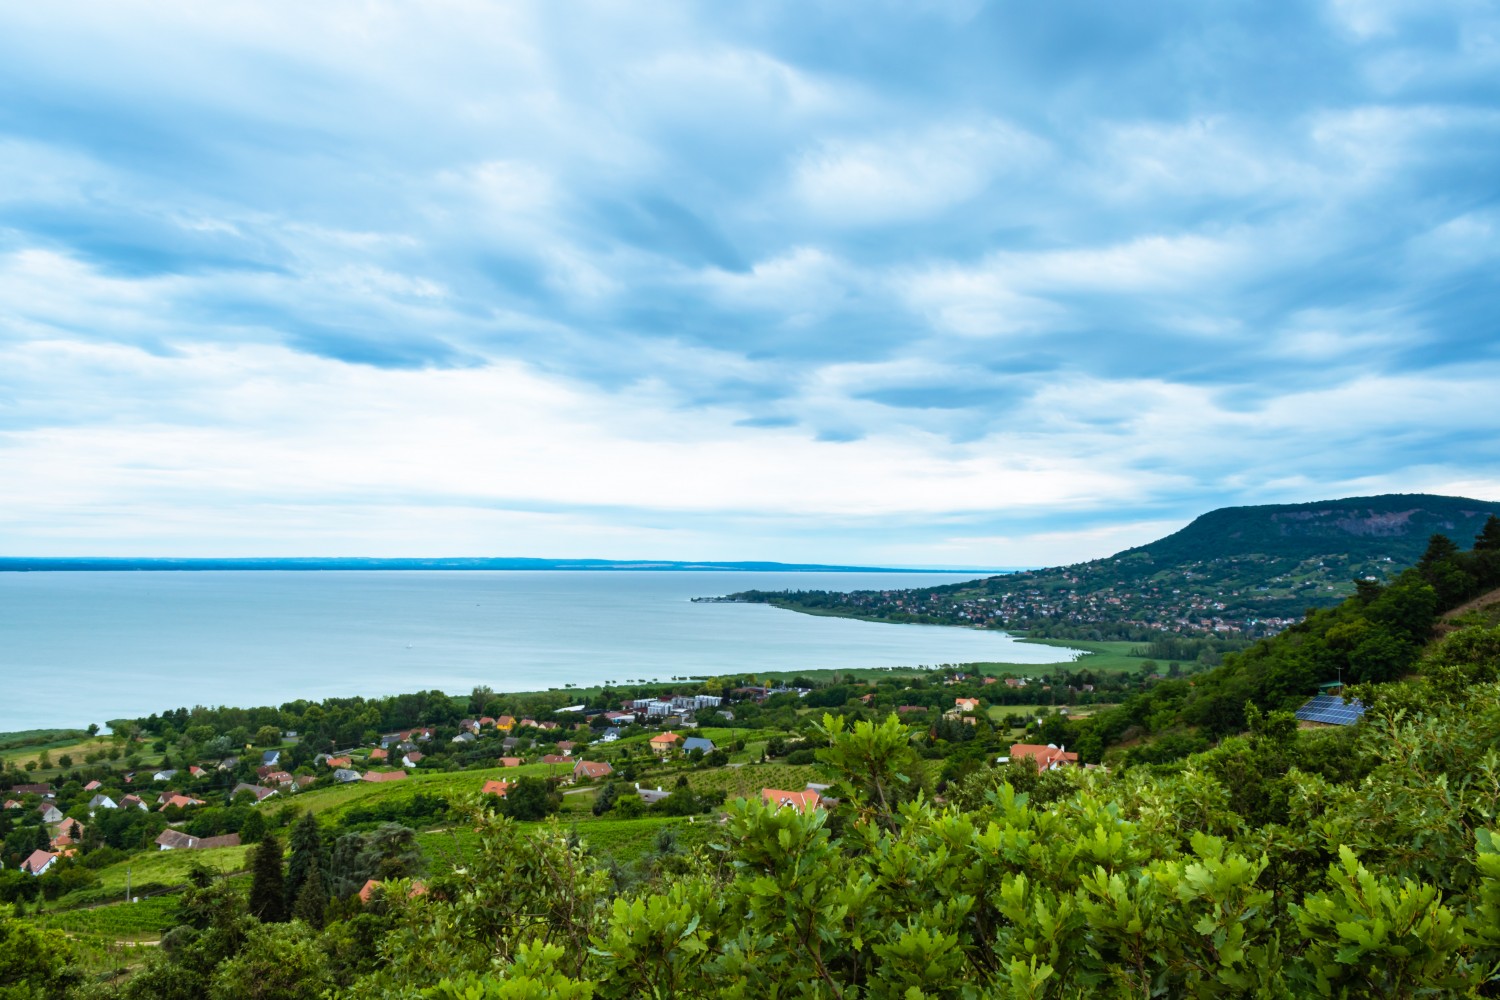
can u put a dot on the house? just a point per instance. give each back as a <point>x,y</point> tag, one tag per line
<point>697,743</point>
<point>166,775</point>
<point>384,775</point>
<point>966,704</point>
<point>261,794</point>
<point>337,762</point>
<point>136,801</point>
<point>71,828</point>
<point>179,800</point>
<point>378,754</point>
<point>93,786</point>
<point>590,769</point>
<point>270,758</point>
<point>303,780</point>
<point>566,747</point>
<point>44,790</point>
<point>229,763</point>
<point>464,737</point>
<point>506,722</point>
<point>524,723</point>
<point>485,720</point>
<point>101,801</point>
<point>548,726</point>
<point>412,759</point>
<point>510,761</point>
<point>1046,757</point>
<point>510,743</point>
<point>344,775</point>
<point>555,758</point>
<point>176,840</point>
<point>469,726</point>
<point>664,743</point>
<point>620,718</point>
<point>1015,682</point>
<point>804,801</point>
<point>282,778</point>
<point>196,771</point>
<point>651,796</point>
<point>13,804</point>
<point>50,813</point>
<point>500,788</point>
<point>38,862</point>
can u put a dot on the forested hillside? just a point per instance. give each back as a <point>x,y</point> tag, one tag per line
<point>1277,861</point>
<point>1234,572</point>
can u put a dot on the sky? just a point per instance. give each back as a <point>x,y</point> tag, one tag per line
<point>927,283</point>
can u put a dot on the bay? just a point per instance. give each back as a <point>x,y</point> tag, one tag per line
<point>86,647</point>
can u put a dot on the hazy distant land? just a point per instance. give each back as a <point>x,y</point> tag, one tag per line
<point>15,564</point>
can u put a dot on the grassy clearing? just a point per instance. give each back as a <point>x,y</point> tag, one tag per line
<point>169,867</point>
<point>1102,657</point>
<point>75,747</point>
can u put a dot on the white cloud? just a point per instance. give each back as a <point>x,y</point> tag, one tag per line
<point>895,178</point>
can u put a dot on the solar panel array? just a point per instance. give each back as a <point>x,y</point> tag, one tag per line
<point>1331,709</point>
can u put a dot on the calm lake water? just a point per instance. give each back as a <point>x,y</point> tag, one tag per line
<point>77,648</point>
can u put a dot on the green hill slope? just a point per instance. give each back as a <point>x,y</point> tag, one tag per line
<point>1238,572</point>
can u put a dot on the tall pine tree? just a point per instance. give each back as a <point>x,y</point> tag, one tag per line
<point>267,886</point>
<point>312,899</point>
<point>306,856</point>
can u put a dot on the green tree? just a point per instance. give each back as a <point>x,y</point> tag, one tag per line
<point>253,829</point>
<point>306,843</point>
<point>267,884</point>
<point>530,799</point>
<point>277,962</point>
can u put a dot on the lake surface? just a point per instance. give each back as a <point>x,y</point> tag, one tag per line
<point>77,648</point>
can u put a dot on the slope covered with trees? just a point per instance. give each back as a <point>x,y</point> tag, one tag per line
<point>1237,571</point>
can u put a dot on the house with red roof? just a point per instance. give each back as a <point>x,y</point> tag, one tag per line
<point>663,744</point>
<point>38,862</point>
<point>1045,757</point>
<point>804,801</point>
<point>499,788</point>
<point>510,761</point>
<point>587,770</point>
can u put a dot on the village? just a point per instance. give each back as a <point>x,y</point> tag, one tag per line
<point>622,773</point>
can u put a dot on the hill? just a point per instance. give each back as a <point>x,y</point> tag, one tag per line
<point>1240,572</point>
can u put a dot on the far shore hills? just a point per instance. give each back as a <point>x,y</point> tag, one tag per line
<point>41,564</point>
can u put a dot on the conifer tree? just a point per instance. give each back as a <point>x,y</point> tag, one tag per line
<point>312,898</point>
<point>306,855</point>
<point>267,886</point>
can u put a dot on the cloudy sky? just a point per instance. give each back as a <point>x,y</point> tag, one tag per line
<point>922,283</point>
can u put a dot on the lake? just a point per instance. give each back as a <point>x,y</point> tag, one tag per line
<point>86,647</point>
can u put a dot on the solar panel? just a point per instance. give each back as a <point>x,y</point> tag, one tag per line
<point>1332,710</point>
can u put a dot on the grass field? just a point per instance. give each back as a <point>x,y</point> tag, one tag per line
<point>75,747</point>
<point>121,921</point>
<point>1104,657</point>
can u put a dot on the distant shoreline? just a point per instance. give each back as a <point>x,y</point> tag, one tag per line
<point>101,564</point>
